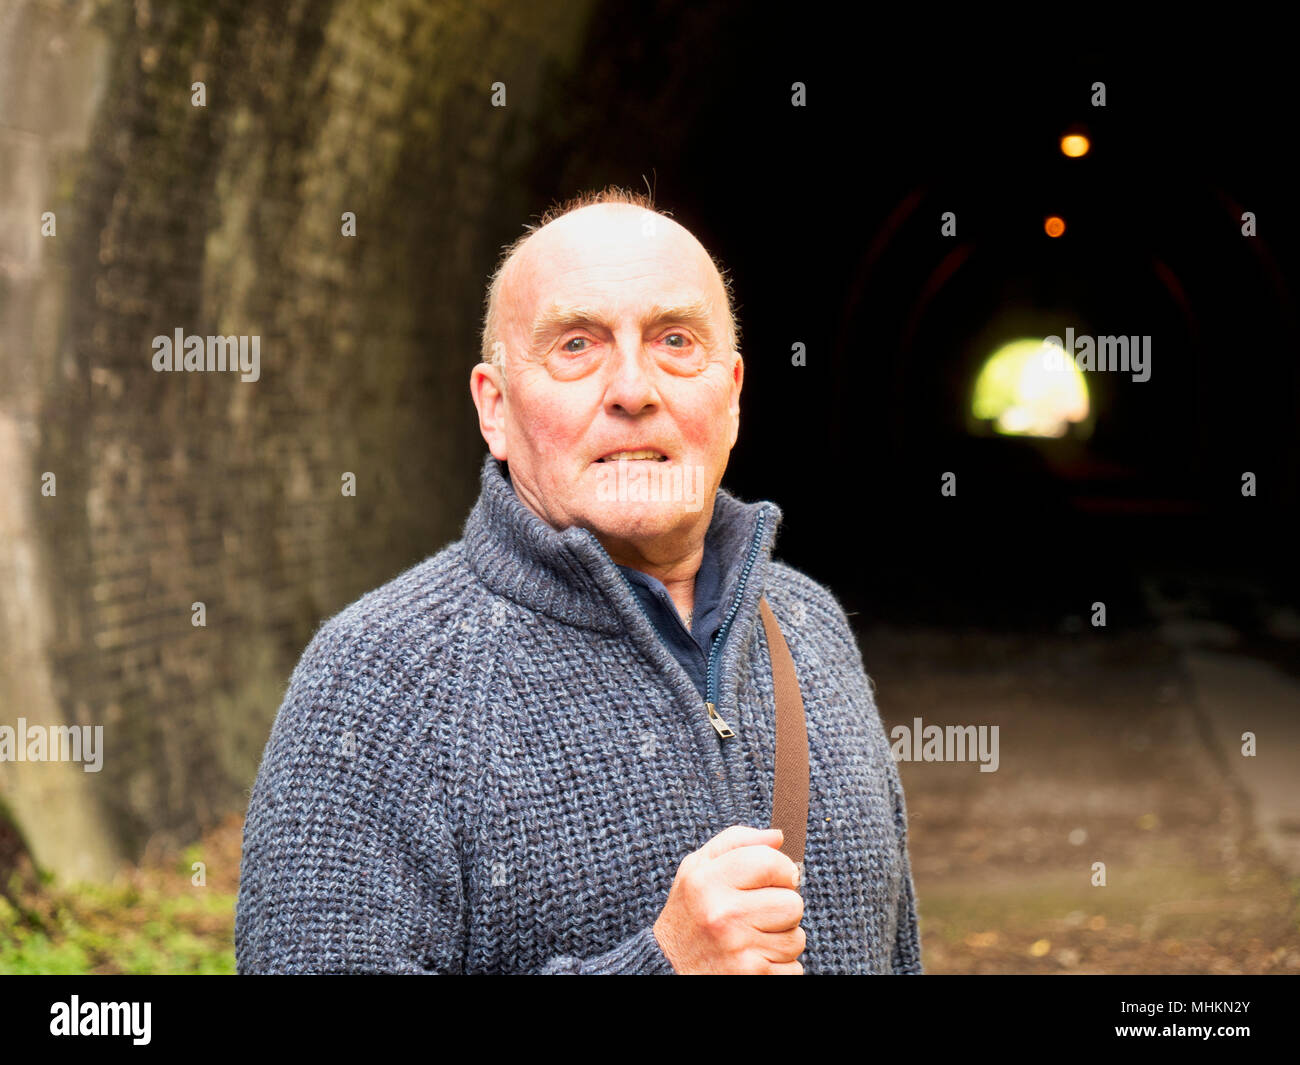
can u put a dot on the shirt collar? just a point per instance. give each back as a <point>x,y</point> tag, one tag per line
<point>707,603</point>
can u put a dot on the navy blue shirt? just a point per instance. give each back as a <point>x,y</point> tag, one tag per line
<point>691,648</point>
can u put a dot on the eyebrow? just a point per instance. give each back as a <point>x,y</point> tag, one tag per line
<point>559,318</point>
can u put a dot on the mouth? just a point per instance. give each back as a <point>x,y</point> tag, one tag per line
<point>646,454</point>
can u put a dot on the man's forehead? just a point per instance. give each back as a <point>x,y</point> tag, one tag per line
<point>605,248</point>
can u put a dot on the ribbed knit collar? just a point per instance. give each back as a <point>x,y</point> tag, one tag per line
<point>567,574</point>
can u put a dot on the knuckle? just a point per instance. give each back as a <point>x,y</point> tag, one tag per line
<point>717,918</point>
<point>696,880</point>
<point>732,938</point>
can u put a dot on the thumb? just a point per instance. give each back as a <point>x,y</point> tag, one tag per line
<point>742,836</point>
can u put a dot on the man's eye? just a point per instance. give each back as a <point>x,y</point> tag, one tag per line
<point>679,336</point>
<point>574,340</point>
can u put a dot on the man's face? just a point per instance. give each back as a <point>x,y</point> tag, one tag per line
<point>615,326</point>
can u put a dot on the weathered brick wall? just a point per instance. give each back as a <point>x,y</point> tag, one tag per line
<point>176,488</point>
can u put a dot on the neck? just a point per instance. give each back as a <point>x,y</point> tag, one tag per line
<point>676,569</point>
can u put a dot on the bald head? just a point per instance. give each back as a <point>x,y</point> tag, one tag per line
<point>600,247</point>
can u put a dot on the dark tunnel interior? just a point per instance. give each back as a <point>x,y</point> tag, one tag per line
<point>830,222</point>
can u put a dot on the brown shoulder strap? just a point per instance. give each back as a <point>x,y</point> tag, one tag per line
<point>790,791</point>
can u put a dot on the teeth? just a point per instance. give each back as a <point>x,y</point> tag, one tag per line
<point>629,456</point>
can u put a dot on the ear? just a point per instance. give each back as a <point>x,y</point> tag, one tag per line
<point>737,379</point>
<point>487,387</point>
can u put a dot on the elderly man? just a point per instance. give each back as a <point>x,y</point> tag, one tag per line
<point>549,748</point>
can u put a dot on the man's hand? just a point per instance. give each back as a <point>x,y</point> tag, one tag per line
<point>733,907</point>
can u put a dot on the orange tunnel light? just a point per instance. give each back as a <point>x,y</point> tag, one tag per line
<point>1054,226</point>
<point>1075,145</point>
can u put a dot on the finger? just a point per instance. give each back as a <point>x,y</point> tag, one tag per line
<point>756,867</point>
<point>741,836</point>
<point>790,969</point>
<point>772,909</point>
<point>782,947</point>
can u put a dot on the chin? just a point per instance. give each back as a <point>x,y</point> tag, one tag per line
<point>640,521</point>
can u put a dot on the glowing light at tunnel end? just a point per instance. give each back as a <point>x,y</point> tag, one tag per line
<point>1026,388</point>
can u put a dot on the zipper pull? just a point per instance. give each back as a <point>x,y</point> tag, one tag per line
<point>715,719</point>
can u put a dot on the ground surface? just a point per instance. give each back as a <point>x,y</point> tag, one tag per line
<point>1107,754</point>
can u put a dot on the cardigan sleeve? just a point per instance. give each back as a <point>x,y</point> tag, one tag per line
<point>907,944</point>
<point>350,863</point>
<point>903,954</point>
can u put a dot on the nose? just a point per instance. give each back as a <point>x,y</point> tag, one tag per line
<point>631,388</point>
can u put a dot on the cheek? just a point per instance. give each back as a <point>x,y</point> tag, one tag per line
<point>553,421</point>
<point>704,417</point>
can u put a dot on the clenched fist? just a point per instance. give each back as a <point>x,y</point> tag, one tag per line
<point>733,907</point>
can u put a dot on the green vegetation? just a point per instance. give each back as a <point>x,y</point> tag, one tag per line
<point>149,920</point>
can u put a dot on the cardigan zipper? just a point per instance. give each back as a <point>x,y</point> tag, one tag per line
<point>718,722</point>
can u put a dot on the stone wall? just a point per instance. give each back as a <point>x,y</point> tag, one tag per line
<point>177,488</point>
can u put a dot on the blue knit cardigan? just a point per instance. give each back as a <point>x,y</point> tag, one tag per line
<point>492,764</point>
